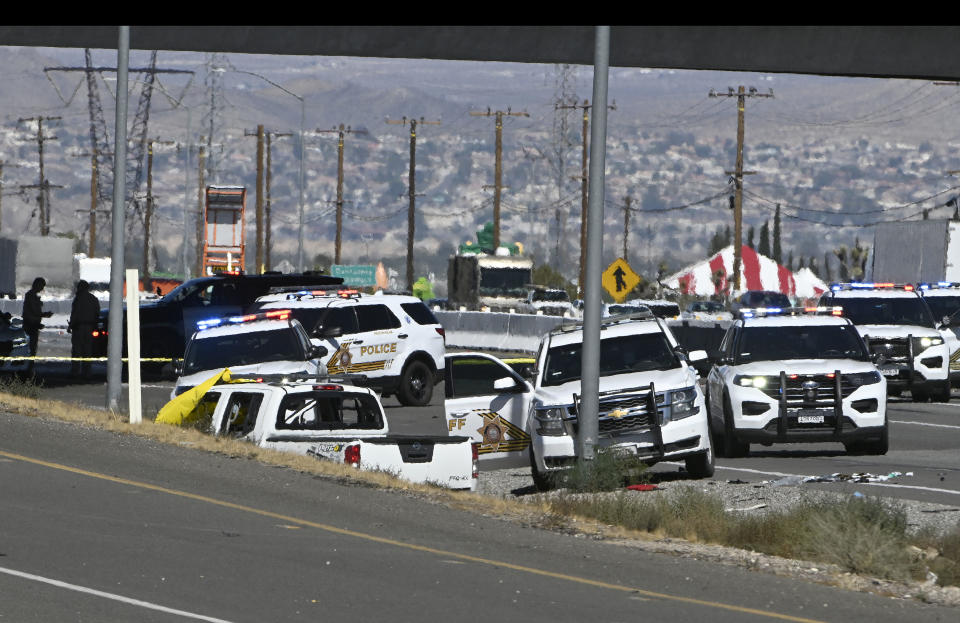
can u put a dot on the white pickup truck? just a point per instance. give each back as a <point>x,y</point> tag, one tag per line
<point>333,420</point>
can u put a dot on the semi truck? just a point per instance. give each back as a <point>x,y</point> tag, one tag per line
<point>480,281</point>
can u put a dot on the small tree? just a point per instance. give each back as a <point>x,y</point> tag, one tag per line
<point>777,249</point>
<point>763,246</point>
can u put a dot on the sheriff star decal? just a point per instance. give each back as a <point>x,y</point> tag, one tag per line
<point>500,435</point>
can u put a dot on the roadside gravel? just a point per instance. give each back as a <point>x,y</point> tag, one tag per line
<point>740,496</point>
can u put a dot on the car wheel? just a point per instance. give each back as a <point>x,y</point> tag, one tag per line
<point>918,395</point>
<point>543,482</point>
<point>701,465</point>
<point>881,445</point>
<point>943,394</point>
<point>732,448</point>
<point>416,385</point>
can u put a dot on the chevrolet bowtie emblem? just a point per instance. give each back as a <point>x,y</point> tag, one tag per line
<point>617,413</point>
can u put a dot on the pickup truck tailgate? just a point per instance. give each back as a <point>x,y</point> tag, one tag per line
<point>445,461</point>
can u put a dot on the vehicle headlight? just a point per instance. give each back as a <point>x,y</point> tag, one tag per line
<point>751,381</point>
<point>862,378</point>
<point>927,342</point>
<point>683,404</point>
<point>550,421</point>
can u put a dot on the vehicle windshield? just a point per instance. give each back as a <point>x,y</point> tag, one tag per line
<point>641,352</point>
<point>240,349</point>
<point>325,410</point>
<point>809,342</point>
<point>504,281</point>
<point>942,306</point>
<point>550,295</point>
<point>907,310</point>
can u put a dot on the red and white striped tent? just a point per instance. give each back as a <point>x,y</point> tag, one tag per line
<point>758,272</point>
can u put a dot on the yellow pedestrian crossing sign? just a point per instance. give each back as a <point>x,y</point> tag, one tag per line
<point>619,279</point>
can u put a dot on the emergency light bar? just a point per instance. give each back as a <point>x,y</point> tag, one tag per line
<point>274,314</point>
<point>836,287</point>
<point>938,285</point>
<point>344,294</point>
<point>790,311</point>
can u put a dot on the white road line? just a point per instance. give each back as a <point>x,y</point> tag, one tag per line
<point>925,424</point>
<point>115,597</point>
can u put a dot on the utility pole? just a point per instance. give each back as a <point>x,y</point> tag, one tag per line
<point>584,187</point>
<point>412,191</point>
<point>268,225</point>
<point>148,216</point>
<point>201,163</point>
<point>741,94</point>
<point>498,168</point>
<point>258,266</point>
<point>626,224</point>
<point>43,196</point>
<point>340,133</point>
<point>94,196</point>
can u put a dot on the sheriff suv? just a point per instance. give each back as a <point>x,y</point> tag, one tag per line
<point>897,325</point>
<point>394,340</point>
<point>650,402</point>
<point>255,344</point>
<point>796,375</point>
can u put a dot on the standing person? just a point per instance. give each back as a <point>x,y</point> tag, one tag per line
<point>84,314</point>
<point>33,314</point>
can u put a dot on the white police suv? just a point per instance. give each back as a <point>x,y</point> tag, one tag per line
<point>650,402</point>
<point>787,375</point>
<point>272,342</point>
<point>394,340</point>
<point>943,299</point>
<point>896,323</point>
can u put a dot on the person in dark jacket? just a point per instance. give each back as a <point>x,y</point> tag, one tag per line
<point>33,315</point>
<point>84,314</point>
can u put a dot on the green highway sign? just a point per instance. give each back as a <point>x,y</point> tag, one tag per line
<point>355,274</point>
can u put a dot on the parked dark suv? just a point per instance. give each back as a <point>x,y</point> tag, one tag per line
<point>752,299</point>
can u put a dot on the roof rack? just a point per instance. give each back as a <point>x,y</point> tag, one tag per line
<point>757,312</point>
<point>566,327</point>
<point>836,287</point>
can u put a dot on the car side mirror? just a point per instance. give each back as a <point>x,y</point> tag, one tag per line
<point>178,367</point>
<point>317,351</point>
<point>528,372</point>
<point>697,355</point>
<point>505,384</point>
<point>946,322</point>
<point>330,331</point>
<point>878,359</point>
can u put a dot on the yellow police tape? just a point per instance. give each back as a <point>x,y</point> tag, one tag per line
<point>79,358</point>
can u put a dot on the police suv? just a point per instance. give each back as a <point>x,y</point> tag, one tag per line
<point>271,342</point>
<point>650,402</point>
<point>896,324</point>
<point>943,299</point>
<point>794,374</point>
<point>394,340</point>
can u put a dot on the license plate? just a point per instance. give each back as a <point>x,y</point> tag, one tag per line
<point>890,372</point>
<point>810,416</point>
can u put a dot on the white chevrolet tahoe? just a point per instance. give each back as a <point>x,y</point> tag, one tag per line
<point>650,402</point>
<point>896,323</point>
<point>795,375</point>
<point>394,340</point>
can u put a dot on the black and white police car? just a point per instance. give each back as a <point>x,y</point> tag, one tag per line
<point>392,339</point>
<point>787,375</point>
<point>896,323</point>
<point>271,342</point>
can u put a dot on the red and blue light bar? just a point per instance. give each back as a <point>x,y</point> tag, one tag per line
<point>274,314</point>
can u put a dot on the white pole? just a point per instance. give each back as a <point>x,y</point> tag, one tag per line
<point>133,345</point>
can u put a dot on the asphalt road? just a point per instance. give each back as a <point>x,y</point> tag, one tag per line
<point>104,527</point>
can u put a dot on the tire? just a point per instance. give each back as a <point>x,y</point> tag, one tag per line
<point>701,465</point>
<point>732,448</point>
<point>942,394</point>
<point>875,447</point>
<point>543,482</point>
<point>416,385</point>
<point>918,395</point>
<point>896,393</point>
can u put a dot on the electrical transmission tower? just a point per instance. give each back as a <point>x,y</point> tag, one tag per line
<point>741,94</point>
<point>100,144</point>
<point>213,81</point>
<point>412,186</point>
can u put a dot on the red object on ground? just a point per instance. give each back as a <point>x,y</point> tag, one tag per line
<point>643,487</point>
